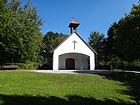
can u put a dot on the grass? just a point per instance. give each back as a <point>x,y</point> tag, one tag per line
<point>63,89</point>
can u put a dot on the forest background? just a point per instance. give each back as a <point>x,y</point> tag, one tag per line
<point>22,44</point>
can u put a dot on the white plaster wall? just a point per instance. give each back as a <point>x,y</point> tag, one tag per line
<point>68,47</point>
<point>55,61</point>
<point>81,61</point>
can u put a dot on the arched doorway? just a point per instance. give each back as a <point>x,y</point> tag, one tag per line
<point>74,61</point>
<point>70,64</point>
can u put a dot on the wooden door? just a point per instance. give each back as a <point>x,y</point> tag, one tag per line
<point>70,64</point>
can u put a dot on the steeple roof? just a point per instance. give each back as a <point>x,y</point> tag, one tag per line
<point>74,23</point>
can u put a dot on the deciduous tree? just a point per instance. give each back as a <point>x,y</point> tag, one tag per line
<point>128,36</point>
<point>20,37</point>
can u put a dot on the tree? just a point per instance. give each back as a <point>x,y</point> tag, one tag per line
<point>109,43</point>
<point>3,18</point>
<point>96,41</point>
<point>20,35</point>
<point>50,41</point>
<point>128,36</point>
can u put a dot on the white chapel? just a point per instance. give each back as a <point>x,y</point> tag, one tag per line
<point>74,53</point>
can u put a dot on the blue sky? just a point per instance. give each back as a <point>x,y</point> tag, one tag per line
<point>93,15</point>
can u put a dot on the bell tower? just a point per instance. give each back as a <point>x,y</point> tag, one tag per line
<point>73,25</point>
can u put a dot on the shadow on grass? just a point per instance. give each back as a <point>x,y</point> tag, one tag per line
<point>52,100</point>
<point>132,80</point>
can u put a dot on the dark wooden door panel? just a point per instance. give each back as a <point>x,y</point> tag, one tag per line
<point>70,64</point>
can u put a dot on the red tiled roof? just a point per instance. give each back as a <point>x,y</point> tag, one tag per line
<point>74,22</point>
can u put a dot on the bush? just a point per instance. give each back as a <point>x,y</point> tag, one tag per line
<point>103,67</point>
<point>114,63</point>
<point>28,66</point>
<point>136,63</point>
<point>117,63</point>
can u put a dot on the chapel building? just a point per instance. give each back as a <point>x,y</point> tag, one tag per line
<point>74,53</point>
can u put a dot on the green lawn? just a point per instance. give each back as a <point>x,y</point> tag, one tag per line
<point>29,88</point>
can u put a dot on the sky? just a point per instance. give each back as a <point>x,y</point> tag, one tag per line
<point>93,15</point>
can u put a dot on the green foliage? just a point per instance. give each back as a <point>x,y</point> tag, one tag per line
<point>50,41</point>
<point>123,41</point>
<point>109,43</point>
<point>20,37</point>
<point>117,63</point>
<point>96,42</point>
<point>3,18</point>
<point>28,66</point>
<point>128,36</point>
<point>136,63</point>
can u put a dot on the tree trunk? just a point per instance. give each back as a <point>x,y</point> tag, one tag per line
<point>1,66</point>
<point>129,64</point>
